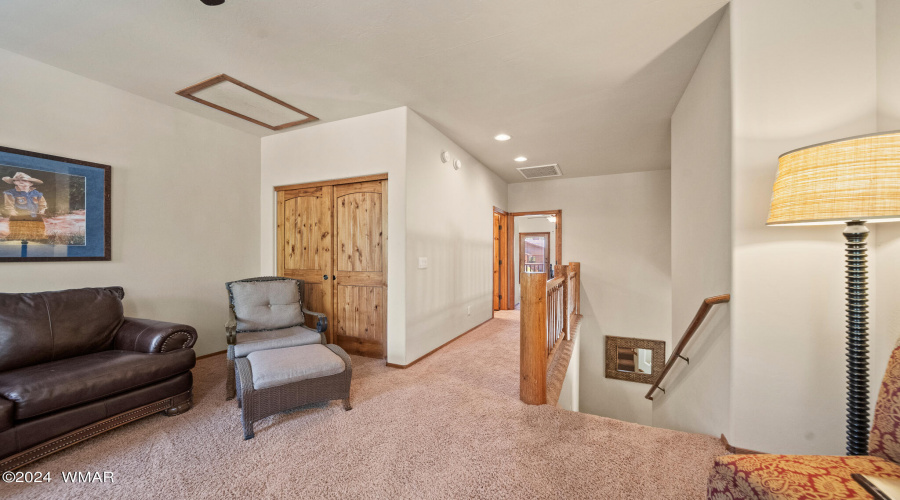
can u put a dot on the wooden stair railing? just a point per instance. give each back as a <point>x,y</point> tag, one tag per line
<point>705,306</point>
<point>549,311</point>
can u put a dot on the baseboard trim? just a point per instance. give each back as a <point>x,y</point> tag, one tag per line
<point>403,367</point>
<point>739,451</point>
<point>211,354</point>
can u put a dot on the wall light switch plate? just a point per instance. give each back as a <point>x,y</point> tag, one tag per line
<point>423,262</point>
<point>468,310</point>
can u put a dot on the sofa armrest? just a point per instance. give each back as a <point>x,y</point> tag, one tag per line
<point>151,336</point>
<point>321,322</point>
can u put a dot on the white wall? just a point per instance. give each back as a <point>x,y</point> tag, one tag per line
<point>887,237</point>
<point>617,226</point>
<point>569,395</point>
<point>185,203</point>
<point>369,144</point>
<point>697,397</point>
<point>529,224</point>
<point>804,71</point>
<point>449,221</point>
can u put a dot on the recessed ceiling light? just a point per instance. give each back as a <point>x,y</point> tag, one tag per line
<point>502,137</point>
<point>521,158</point>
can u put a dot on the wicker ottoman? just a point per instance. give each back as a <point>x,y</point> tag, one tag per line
<point>276,380</point>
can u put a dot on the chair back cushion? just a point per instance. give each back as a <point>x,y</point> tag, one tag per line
<point>41,327</point>
<point>884,440</point>
<point>266,305</point>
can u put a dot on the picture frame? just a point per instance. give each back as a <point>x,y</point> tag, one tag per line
<point>639,368</point>
<point>53,208</point>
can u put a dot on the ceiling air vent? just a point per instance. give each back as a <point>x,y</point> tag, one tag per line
<point>540,171</point>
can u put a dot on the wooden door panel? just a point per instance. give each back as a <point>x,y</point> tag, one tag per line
<point>359,240</point>
<point>359,222</point>
<point>314,296</point>
<point>360,312</point>
<point>304,244</point>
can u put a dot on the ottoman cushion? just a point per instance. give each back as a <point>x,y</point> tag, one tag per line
<point>275,367</point>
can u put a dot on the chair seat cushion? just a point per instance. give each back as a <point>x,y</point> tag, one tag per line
<point>277,367</point>
<point>275,339</point>
<point>48,387</point>
<point>794,476</point>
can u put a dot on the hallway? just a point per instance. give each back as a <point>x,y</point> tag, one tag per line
<point>450,426</point>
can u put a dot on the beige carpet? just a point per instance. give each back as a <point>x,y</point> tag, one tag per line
<point>449,427</point>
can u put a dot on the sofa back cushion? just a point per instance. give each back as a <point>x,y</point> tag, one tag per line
<point>46,326</point>
<point>884,440</point>
<point>266,304</point>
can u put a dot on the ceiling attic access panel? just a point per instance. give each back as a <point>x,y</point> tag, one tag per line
<point>236,98</point>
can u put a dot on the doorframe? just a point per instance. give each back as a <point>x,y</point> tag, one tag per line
<point>558,214</point>
<point>507,286</point>
<point>333,182</point>
<point>512,234</point>
<point>279,190</point>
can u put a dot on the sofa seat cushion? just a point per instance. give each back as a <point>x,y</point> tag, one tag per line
<point>794,476</point>
<point>48,387</point>
<point>277,367</point>
<point>275,339</point>
<point>6,414</point>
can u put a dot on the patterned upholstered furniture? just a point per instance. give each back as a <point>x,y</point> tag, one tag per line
<point>817,477</point>
<point>267,313</point>
<point>275,380</point>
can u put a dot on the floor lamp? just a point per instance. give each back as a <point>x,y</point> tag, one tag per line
<point>852,181</point>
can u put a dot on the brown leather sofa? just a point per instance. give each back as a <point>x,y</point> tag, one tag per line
<point>72,366</point>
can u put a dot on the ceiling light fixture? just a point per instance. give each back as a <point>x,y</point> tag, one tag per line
<point>212,2</point>
<point>502,137</point>
<point>521,158</point>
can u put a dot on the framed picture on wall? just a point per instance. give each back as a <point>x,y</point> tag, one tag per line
<point>53,208</point>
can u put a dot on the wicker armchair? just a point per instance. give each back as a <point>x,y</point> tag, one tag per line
<point>267,313</point>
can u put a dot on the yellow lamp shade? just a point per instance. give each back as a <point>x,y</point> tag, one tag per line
<point>857,178</point>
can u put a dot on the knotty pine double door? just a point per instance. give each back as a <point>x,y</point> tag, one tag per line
<point>333,236</point>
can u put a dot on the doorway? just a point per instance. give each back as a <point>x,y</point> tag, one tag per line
<point>538,237</point>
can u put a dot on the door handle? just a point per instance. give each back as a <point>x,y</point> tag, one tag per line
<point>325,277</point>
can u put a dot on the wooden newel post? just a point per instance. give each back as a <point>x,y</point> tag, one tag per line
<point>533,339</point>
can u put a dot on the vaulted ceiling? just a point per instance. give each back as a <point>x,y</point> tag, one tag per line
<point>590,85</point>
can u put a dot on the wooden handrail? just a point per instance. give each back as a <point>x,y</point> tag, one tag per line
<point>548,307</point>
<point>705,306</point>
